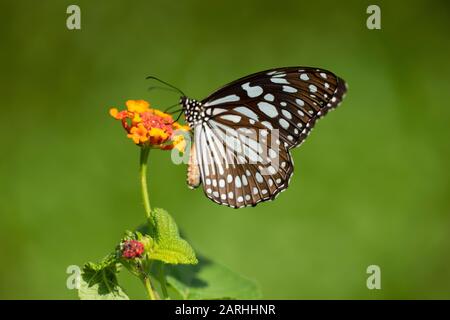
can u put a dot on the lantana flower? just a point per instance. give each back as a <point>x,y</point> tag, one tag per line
<point>150,127</point>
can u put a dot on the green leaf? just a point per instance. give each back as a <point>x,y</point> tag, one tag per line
<point>210,280</point>
<point>99,282</point>
<point>167,245</point>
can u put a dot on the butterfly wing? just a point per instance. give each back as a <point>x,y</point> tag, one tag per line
<point>284,104</point>
<point>234,172</point>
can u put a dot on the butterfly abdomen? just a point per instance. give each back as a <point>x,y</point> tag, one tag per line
<point>193,171</point>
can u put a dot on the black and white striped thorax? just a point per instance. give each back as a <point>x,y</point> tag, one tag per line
<point>193,111</point>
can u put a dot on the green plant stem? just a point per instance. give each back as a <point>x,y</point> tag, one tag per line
<point>162,280</point>
<point>143,176</point>
<point>148,287</point>
<point>148,209</point>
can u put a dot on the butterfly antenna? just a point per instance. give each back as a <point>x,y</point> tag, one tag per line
<point>178,118</point>
<point>170,107</point>
<point>176,111</point>
<point>167,84</point>
<point>162,88</point>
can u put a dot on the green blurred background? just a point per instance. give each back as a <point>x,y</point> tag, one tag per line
<point>371,183</point>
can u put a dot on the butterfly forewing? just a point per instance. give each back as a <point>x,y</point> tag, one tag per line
<point>290,99</point>
<point>247,128</point>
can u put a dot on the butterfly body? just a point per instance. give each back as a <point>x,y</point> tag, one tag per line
<point>193,111</point>
<point>193,171</point>
<point>244,131</point>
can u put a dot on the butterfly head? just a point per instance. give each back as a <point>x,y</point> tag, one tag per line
<point>193,111</point>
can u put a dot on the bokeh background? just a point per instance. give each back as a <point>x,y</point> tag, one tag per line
<point>371,183</point>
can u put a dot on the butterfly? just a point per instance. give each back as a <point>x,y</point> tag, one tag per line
<point>244,131</point>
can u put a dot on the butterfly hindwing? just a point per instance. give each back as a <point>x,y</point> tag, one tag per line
<point>238,179</point>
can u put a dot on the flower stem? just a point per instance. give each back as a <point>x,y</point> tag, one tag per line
<point>162,280</point>
<point>143,176</point>
<point>148,287</point>
<point>148,210</point>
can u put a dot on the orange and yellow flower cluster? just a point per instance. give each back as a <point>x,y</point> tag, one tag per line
<point>150,127</point>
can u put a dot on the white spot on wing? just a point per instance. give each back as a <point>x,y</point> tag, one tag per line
<point>269,97</point>
<point>247,112</point>
<point>289,89</point>
<point>230,98</point>
<point>252,92</point>
<point>279,80</point>
<point>231,117</point>
<point>267,124</point>
<point>280,74</point>
<point>259,177</point>
<point>216,111</point>
<point>268,109</point>
<point>286,113</point>
<point>272,153</point>
<point>237,181</point>
<point>312,88</point>
<point>271,170</point>
<point>284,123</point>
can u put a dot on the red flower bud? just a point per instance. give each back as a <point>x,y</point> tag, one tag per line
<point>132,249</point>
